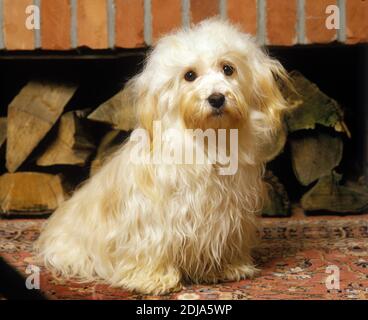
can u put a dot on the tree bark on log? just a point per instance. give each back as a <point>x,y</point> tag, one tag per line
<point>310,106</point>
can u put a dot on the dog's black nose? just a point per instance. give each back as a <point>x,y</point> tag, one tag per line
<point>216,100</point>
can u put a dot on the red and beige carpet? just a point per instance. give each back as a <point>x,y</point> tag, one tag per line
<point>294,254</point>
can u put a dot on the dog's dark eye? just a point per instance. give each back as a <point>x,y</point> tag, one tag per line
<point>190,76</point>
<point>228,70</point>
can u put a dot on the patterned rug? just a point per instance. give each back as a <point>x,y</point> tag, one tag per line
<point>296,255</point>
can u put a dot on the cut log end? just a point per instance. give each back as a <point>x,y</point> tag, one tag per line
<point>29,192</point>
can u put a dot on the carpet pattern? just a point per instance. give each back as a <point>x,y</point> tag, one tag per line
<point>293,254</point>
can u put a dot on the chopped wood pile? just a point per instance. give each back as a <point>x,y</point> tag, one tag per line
<point>316,134</point>
<point>44,143</point>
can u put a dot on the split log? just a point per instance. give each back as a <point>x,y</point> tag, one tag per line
<point>2,131</point>
<point>29,192</point>
<point>310,106</point>
<point>329,195</point>
<point>117,111</point>
<point>109,144</point>
<point>272,148</point>
<point>360,184</point>
<point>31,115</point>
<point>73,144</point>
<point>278,203</point>
<point>315,155</point>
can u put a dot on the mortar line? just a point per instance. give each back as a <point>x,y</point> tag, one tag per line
<point>147,22</point>
<point>37,32</point>
<point>2,44</point>
<point>341,32</point>
<point>301,21</point>
<point>73,24</point>
<point>185,13</point>
<point>223,8</point>
<point>261,22</point>
<point>111,10</point>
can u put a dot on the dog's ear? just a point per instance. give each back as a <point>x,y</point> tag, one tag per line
<point>268,77</point>
<point>136,93</point>
<point>269,104</point>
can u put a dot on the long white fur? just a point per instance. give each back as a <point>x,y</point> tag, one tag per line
<point>150,227</point>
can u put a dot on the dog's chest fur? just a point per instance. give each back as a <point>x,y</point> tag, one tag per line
<point>207,215</point>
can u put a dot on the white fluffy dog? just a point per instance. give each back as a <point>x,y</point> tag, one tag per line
<point>151,226</point>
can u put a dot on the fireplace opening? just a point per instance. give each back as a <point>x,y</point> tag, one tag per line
<point>339,72</point>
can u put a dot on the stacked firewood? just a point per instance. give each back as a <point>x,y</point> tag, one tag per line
<point>316,132</point>
<point>44,145</point>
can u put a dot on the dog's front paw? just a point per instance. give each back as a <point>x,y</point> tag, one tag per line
<point>154,283</point>
<point>238,272</point>
<point>159,286</point>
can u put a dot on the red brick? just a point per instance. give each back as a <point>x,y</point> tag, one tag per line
<point>129,23</point>
<point>55,24</point>
<point>315,22</point>
<point>92,23</point>
<point>16,35</point>
<point>244,14</point>
<point>166,16</point>
<point>202,9</point>
<point>356,21</point>
<point>281,22</point>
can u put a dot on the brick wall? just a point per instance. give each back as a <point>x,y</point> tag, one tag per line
<point>102,24</point>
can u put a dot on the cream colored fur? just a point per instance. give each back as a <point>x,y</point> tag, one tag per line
<point>150,227</point>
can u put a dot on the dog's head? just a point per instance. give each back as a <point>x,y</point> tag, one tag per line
<point>209,76</point>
